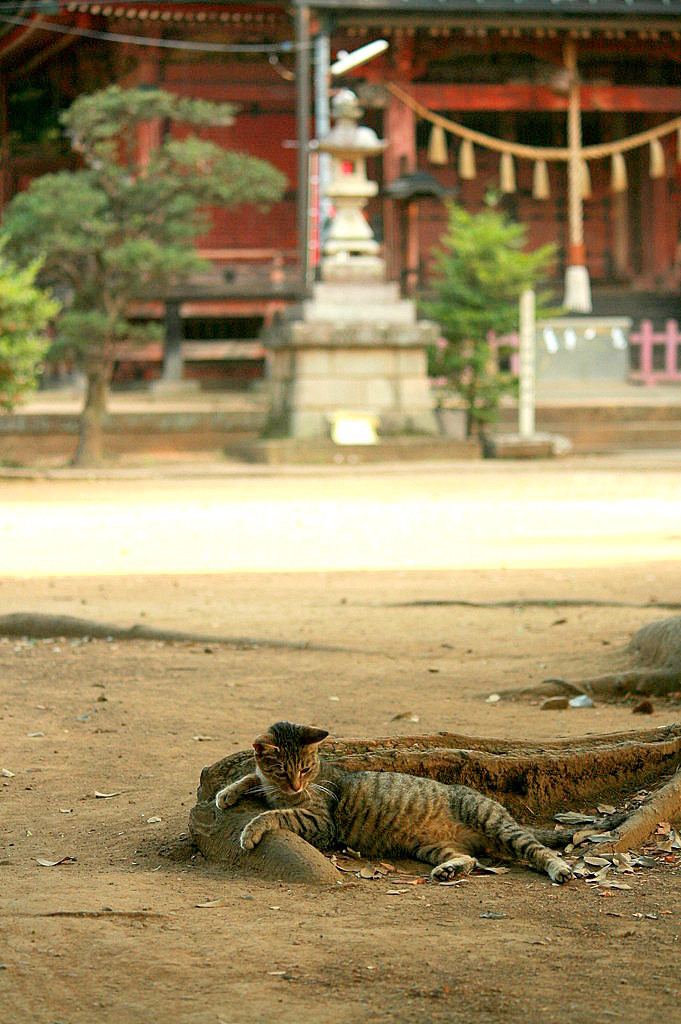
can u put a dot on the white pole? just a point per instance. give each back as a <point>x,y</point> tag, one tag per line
<point>322,50</point>
<point>526,370</point>
<point>577,286</point>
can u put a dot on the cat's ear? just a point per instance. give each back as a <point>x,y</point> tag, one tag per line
<point>260,742</point>
<point>310,736</point>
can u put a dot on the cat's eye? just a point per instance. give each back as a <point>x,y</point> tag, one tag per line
<point>304,771</point>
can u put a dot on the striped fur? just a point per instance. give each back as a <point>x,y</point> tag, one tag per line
<point>378,813</point>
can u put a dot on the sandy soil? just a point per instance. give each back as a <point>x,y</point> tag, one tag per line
<point>116,935</point>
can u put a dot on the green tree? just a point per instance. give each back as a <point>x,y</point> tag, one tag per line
<point>123,226</point>
<point>482,268</point>
<point>25,311</point>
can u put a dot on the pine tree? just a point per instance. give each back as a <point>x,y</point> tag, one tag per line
<point>482,268</point>
<point>122,228</point>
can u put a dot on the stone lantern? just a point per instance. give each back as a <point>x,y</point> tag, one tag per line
<point>350,249</point>
<point>358,354</point>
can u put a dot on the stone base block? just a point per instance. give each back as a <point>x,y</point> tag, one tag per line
<point>514,446</point>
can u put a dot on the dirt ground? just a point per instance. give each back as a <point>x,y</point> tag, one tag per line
<point>117,934</point>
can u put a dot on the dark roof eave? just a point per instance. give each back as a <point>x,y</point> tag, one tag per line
<point>591,9</point>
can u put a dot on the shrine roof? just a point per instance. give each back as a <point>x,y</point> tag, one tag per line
<point>561,8</point>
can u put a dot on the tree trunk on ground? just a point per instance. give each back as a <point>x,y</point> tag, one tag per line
<point>90,450</point>
<point>649,665</point>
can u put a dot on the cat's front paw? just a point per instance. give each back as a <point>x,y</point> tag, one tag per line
<point>226,797</point>
<point>558,871</point>
<point>251,835</point>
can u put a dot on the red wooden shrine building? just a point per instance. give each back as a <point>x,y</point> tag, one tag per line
<point>493,66</point>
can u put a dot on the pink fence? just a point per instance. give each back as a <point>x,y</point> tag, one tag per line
<point>654,356</point>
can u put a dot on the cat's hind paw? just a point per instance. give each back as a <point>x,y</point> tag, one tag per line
<point>454,868</point>
<point>558,871</point>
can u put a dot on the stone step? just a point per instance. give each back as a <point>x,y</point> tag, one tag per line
<point>608,429</point>
<point>606,414</point>
<point>602,437</point>
<point>625,437</point>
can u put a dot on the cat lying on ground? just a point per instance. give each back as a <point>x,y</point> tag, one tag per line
<point>381,813</point>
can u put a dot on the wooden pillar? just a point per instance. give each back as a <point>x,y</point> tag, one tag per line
<point>660,227</point>
<point>508,131</point>
<point>620,233</point>
<point>400,134</point>
<point>399,158</point>
<point>655,222</point>
<point>413,253</point>
<point>173,365</point>
<point>148,134</point>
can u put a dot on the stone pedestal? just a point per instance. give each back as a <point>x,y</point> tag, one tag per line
<point>358,349</point>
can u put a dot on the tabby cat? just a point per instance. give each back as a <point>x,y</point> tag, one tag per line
<point>379,813</point>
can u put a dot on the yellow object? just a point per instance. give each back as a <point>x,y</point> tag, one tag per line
<point>586,180</point>
<point>541,188</point>
<point>348,427</point>
<point>657,164</point>
<point>618,181</point>
<point>437,146</point>
<point>466,161</point>
<point>507,174</point>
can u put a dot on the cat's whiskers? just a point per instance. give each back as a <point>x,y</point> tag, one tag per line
<point>323,789</point>
<point>268,789</point>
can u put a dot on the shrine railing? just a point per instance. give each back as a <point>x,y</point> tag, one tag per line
<point>654,356</point>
